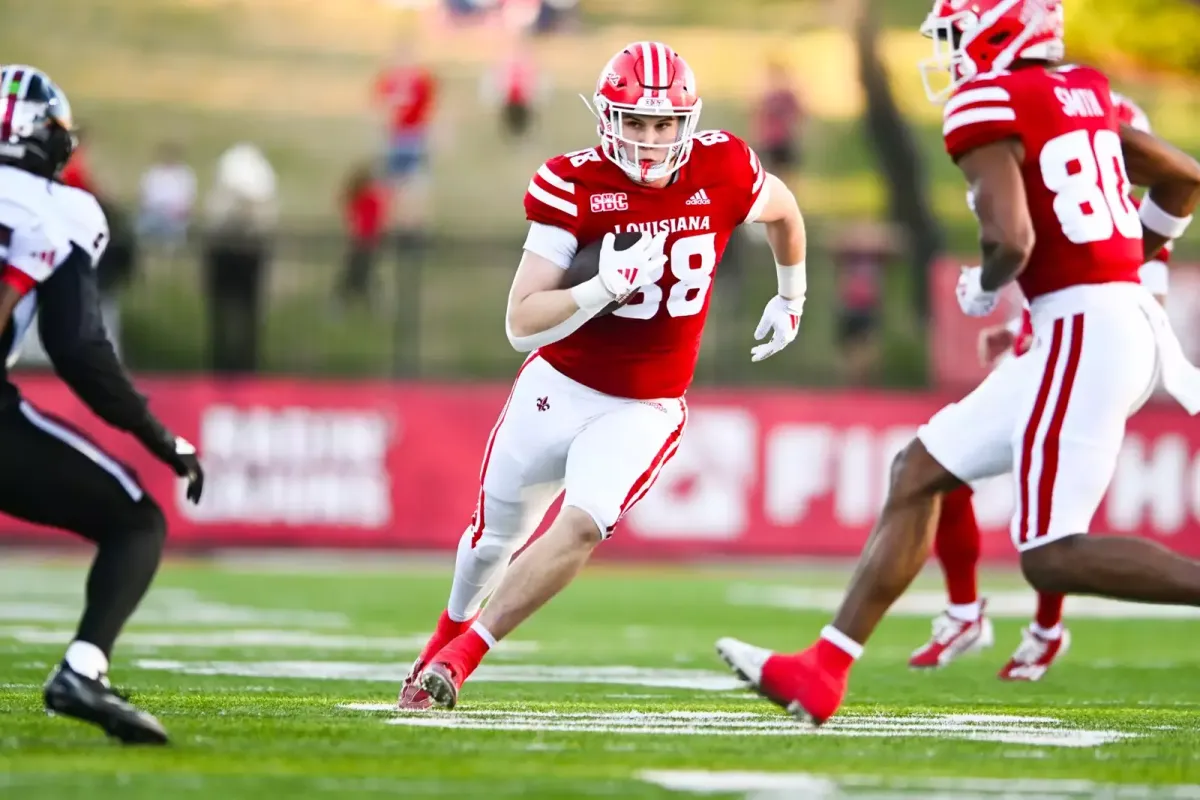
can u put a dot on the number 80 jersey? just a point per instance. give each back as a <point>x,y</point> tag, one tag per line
<point>648,348</point>
<point>1086,225</point>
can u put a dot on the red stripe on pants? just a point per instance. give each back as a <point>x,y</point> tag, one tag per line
<point>477,521</point>
<point>1035,420</point>
<point>1050,444</point>
<point>647,478</point>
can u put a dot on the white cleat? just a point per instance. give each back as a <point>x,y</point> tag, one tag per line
<point>746,660</point>
<point>1034,656</point>
<point>951,639</point>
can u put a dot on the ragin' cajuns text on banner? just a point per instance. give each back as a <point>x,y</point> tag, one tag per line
<point>759,473</point>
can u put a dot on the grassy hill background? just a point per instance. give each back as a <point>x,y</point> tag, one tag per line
<point>294,76</point>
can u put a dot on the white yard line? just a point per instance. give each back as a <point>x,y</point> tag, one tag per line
<point>243,638</point>
<point>695,679</point>
<point>1002,729</point>
<point>1008,603</point>
<point>763,785</point>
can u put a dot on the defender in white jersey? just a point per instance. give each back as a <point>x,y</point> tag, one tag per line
<point>51,237</point>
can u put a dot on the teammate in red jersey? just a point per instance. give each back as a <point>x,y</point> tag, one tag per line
<point>964,627</point>
<point>599,404</point>
<point>1049,166</point>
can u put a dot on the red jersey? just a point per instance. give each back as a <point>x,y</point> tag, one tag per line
<point>648,348</point>
<point>408,92</point>
<point>77,173</point>
<point>366,213</point>
<point>1086,225</point>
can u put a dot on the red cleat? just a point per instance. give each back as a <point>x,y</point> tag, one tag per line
<point>799,683</point>
<point>441,683</point>
<point>1034,656</point>
<point>451,667</point>
<point>412,696</point>
<point>952,638</point>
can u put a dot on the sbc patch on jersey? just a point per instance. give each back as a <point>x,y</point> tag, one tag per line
<point>610,201</point>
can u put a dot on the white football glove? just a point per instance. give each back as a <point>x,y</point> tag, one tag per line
<point>972,299</point>
<point>781,319</point>
<point>623,272</point>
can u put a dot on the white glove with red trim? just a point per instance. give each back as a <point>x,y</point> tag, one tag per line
<point>780,319</point>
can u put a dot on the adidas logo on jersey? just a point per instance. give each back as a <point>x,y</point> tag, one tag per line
<point>700,198</point>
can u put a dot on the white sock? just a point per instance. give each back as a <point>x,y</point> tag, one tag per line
<point>842,642</point>
<point>484,634</point>
<point>967,612</point>
<point>477,573</point>
<point>1049,634</point>
<point>87,659</point>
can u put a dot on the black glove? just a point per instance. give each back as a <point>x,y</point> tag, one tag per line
<point>183,460</point>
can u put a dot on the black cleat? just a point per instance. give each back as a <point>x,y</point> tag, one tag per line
<point>74,695</point>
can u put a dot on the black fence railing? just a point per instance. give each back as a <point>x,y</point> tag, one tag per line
<point>435,310</point>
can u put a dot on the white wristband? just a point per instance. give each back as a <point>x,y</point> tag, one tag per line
<point>591,296</point>
<point>793,280</point>
<point>1155,219</point>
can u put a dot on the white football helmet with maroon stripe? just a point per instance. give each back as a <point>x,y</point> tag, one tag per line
<point>37,132</point>
<point>646,79</point>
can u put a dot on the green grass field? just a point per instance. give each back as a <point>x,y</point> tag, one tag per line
<point>266,676</point>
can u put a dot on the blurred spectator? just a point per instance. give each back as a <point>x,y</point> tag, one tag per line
<point>78,171</point>
<point>860,253</point>
<point>407,91</point>
<point>779,123</point>
<point>241,215</point>
<point>468,9</point>
<point>364,207</point>
<point>515,85</point>
<point>168,193</point>
<point>557,15</point>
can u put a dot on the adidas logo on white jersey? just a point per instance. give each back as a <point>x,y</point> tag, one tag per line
<point>700,198</point>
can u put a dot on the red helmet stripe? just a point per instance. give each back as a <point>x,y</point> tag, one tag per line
<point>12,92</point>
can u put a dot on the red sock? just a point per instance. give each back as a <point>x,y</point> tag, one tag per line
<point>445,632</point>
<point>831,657</point>
<point>957,546</point>
<point>464,653</point>
<point>1049,610</point>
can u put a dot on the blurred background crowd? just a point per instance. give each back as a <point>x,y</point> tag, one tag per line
<point>334,188</point>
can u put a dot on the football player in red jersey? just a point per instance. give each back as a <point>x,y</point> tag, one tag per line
<point>1050,166</point>
<point>599,404</point>
<point>964,627</point>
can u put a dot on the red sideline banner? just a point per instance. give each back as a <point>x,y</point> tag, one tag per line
<point>781,473</point>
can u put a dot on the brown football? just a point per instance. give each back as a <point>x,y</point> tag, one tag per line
<point>586,264</point>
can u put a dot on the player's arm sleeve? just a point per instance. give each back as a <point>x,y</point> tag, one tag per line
<point>553,198</point>
<point>977,115</point>
<point>751,180</point>
<point>72,331</point>
<point>556,245</point>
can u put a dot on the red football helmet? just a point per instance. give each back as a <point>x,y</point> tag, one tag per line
<point>646,79</point>
<point>974,37</point>
<point>1130,114</point>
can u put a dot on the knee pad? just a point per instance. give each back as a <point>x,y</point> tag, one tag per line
<point>496,531</point>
